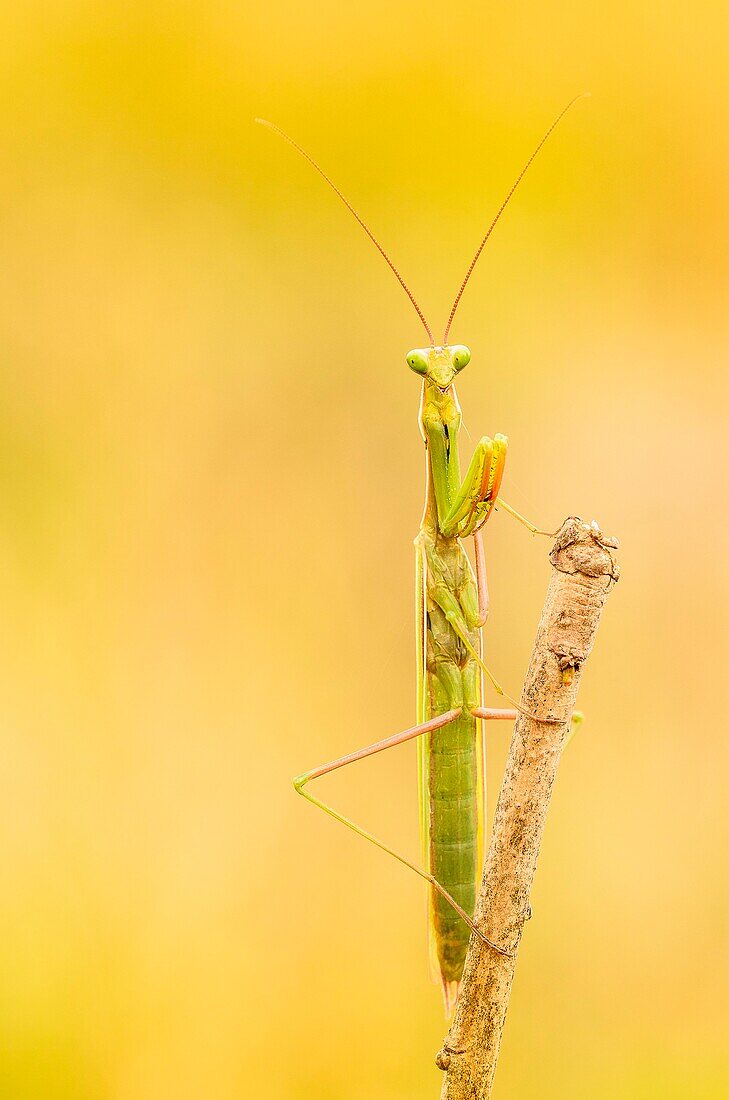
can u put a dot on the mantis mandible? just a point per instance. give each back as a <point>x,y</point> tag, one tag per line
<point>452,606</point>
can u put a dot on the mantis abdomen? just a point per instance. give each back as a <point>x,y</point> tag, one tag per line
<point>454,830</point>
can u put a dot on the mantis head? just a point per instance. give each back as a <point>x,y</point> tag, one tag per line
<point>439,365</point>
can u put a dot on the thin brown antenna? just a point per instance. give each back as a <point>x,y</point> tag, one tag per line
<point>347,203</point>
<point>501,209</point>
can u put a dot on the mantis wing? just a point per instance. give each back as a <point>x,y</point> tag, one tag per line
<point>423,714</point>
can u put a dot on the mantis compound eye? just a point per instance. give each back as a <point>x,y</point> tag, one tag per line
<point>417,362</point>
<point>461,356</point>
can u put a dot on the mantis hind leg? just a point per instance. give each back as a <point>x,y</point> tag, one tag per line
<point>301,781</point>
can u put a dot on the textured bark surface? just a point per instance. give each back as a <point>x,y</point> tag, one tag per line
<point>583,573</point>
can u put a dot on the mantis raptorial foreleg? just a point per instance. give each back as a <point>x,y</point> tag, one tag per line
<point>478,491</point>
<point>422,728</point>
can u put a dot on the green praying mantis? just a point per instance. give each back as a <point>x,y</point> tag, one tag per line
<point>452,606</point>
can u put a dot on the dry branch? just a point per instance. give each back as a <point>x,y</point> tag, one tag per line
<point>583,573</point>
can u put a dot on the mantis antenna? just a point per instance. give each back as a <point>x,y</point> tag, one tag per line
<point>501,209</point>
<point>368,231</point>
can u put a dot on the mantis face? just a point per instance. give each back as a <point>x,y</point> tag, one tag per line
<point>439,365</point>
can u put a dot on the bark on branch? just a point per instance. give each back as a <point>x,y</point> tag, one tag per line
<point>584,571</point>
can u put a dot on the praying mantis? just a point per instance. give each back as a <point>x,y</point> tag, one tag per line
<point>452,606</point>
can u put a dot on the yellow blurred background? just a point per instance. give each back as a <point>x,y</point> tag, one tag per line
<point>210,478</point>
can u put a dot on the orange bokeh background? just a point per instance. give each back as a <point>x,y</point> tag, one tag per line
<point>210,478</point>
